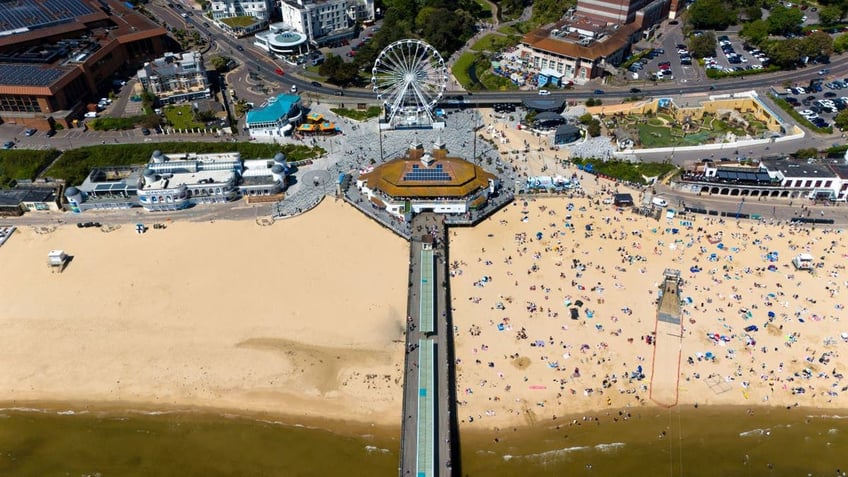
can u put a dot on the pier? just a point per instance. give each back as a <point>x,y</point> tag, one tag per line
<point>428,442</point>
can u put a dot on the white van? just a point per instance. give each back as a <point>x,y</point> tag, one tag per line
<point>659,202</point>
<point>91,114</point>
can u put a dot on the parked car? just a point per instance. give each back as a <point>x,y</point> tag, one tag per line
<point>599,91</point>
<point>339,93</point>
<point>30,132</point>
<point>145,131</point>
<point>50,133</point>
<point>8,145</point>
<point>544,92</point>
<point>316,84</point>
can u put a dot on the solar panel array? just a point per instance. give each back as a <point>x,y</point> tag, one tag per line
<point>435,174</point>
<point>28,75</point>
<point>32,14</point>
<point>742,176</point>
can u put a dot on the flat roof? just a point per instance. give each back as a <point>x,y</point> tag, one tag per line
<point>792,168</point>
<point>190,179</point>
<point>14,197</point>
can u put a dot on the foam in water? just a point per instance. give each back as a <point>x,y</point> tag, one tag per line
<point>372,449</point>
<point>755,432</point>
<point>566,450</point>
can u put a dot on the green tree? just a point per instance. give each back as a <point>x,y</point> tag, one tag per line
<point>786,53</point>
<point>594,128</point>
<point>548,11</point>
<point>703,45</point>
<point>806,153</point>
<point>447,30</point>
<point>830,15</point>
<point>783,20</point>
<point>840,43</point>
<point>755,31</point>
<point>841,120</point>
<point>220,63</point>
<point>711,15</point>
<point>818,44</point>
<point>754,12</point>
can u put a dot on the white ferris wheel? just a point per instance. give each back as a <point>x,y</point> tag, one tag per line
<point>409,77</point>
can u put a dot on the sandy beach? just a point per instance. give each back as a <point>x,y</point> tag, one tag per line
<point>301,318</point>
<point>522,359</point>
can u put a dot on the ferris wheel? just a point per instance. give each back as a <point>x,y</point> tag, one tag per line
<point>409,77</point>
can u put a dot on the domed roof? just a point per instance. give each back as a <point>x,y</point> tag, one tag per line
<point>157,153</point>
<point>71,191</point>
<point>279,157</point>
<point>278,169</point>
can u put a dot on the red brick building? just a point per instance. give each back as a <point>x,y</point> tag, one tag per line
<point>58,55</point>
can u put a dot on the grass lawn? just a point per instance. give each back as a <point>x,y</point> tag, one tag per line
<point>519,28</point>
<point>23,163</point>
<point>236,22</point>
<point>461,68</point>
<point>181,117</point>
<point>358,115</point>
<point>494,42</point>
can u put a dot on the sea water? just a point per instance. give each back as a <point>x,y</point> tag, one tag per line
<point>651,442</point>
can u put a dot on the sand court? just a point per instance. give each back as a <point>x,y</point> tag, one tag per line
<point>289,318</point>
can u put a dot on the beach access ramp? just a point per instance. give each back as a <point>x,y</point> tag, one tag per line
<point>668,339</point>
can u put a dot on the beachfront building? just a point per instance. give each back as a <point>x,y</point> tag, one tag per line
<point>326,21</point>
<point>592,38</point>
<point>771,177</point>
<point>241,17</point>
<point>175,78</point>
<point>31,197</point>
<point>177,181</point>
<point>56,56</point>
<point>282,41</point>
<point>276,117</point>
<point>424,181</point>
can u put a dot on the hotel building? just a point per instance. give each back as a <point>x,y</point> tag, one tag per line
<point>175,78</point>
<point>326,20</point>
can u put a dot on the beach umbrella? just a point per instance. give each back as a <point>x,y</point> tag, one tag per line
<point>538,235</point>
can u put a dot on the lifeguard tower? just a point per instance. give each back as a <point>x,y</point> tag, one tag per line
<point>57,260</point>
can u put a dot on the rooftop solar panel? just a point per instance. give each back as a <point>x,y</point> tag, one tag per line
<point>28,75</point>
<point>435,174</point>
<point>32,14</point>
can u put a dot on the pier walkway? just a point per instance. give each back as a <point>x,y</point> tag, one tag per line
<point>665,366</point>
<point>428,429</point>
